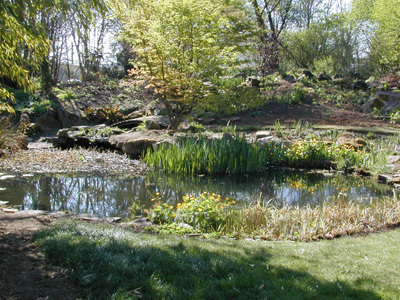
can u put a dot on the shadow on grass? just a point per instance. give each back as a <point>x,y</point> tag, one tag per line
<point>117,264</point>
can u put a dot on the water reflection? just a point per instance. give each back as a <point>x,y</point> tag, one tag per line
<point>112,196</point>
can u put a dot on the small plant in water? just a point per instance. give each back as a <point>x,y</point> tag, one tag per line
<point>205,213</point>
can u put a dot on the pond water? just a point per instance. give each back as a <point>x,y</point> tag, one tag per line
<point>111,196</point>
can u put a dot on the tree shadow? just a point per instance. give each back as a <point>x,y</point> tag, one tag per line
<point>138,266</point>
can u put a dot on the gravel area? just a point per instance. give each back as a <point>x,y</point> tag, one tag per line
<point>70,161</point>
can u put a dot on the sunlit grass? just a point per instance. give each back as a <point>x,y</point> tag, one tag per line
<point>113,263</point>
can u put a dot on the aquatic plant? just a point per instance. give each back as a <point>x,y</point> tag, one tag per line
<point>205,212</point>
<point>210,214</point>
<point>200,155</point>
<point>314,154</point>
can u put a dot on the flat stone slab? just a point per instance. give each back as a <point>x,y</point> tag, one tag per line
<point>135,142</point>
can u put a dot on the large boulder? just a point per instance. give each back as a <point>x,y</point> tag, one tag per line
<point>136,142</point>
<point>382,101</point>
<point>347,140</point>
<point>69,114</point>
<point>47,123</point>
<point>85,136</point>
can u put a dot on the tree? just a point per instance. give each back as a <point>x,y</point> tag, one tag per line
<point>22,45</point>
<point>81,21</point>
<point>180,42</point>
<point>272,17</point>
<point>333,40</point>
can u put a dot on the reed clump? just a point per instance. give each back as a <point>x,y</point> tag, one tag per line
<point>199,155</point>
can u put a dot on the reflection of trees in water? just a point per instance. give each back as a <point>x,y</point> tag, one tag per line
<point>112,196</point>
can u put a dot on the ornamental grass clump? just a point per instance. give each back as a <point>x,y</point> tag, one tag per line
<point>311,223</point>
<point>199,155</point>
<point>210,214</point>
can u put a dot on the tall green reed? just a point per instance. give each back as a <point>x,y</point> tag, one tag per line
<point>199,155</point>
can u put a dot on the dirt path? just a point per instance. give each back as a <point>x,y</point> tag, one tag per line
<point>24,272</point>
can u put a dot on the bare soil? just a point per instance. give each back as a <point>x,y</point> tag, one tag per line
<point>24,272</point>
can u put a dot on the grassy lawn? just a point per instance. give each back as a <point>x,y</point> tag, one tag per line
<point>112,263</point>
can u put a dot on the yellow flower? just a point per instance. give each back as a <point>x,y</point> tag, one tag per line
<point>199,209</point>
<point>152,199</point>
<point>227,198</point>
<point>174,215</point>
<point>158,194</point>
<point>171,207</point>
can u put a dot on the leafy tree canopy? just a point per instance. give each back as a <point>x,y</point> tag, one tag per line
<point>180,42</point>
<point>384,18</point>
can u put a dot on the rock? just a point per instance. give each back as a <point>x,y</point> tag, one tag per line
<point>385,179</point>
<point>382,101</point>
<point>227,136</point>
<point>136,142</point>
<point>152,122</point>
<point>268,140</point>
<point>184,127</point>
<point>360,85</point>
<point>85,136</point>
<point>253,82</point>
<point>347,140</point>
<point>69,114</point>
<point>308,74</point>
<point>47,123</point>
<point>262,134</point>
<point>375,84</point>
<point>137,146</point>
<point>289,78</point>
<point>324,77</point>
<point>393,159</point>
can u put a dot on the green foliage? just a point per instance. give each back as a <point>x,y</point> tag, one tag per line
<point>41,107</point>
<point>201,155</point>
<point>195,127</point>
<point>179,42</point>
<point>296,97</point>
<point>395,117</point>
<point>20,35</point>
<point>109,115</point>
<point>314,154</point>
<point>229,99</point>
<point>328,45</point>
<point>66,95</point>
<point>204,213</point>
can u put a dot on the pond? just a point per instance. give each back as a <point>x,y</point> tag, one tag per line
<point>111,196</point>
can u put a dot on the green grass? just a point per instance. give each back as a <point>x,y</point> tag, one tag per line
<point>113,263</point>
